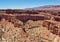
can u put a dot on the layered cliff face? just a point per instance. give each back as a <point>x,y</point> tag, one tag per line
<point>29,26</point>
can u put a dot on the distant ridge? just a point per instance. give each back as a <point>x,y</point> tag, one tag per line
<point>47,7</point>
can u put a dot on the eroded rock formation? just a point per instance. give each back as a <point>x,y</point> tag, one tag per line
<point>29,26</point>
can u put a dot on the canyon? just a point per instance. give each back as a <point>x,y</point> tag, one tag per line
<point>30,25</point>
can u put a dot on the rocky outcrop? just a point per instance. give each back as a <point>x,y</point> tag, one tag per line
<point>52,26</point>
